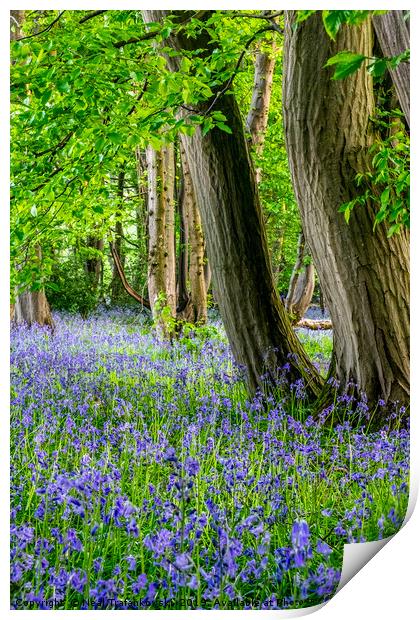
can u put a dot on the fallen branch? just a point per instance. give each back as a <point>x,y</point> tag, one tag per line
<point>311,324</point>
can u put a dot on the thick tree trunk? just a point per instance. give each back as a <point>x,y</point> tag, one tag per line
<point>116,283</point>
<point>32,306</point>
<point>256,122</point>
<point>364,275</point>
<point>161,263</point>
<point>196,248</point>
<point>256,322</point>
<point>392,30</point>
<point>302,283</point>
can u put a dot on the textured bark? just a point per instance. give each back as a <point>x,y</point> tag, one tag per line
<point>32,307</point>
<point>363,274</point>
<point>392,30</point>
<point>256,322</point>
<point>302,283</point>
<point>256,122</point>
<point>207,271</point>
<point>168,196</point>
<point>161,263</point>
<point>196,248</point>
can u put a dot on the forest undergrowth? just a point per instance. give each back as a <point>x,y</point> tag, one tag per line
<point>143,476</point>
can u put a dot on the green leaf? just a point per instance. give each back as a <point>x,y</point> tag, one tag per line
<point>34,211</point>
<point>99,143</point>
<point>63,86</point>
<point>115,138</point>
<point>346,64</point>
<point>385,198</point>
<point>393,229</point>
<point>333,20</point>
<point>377,67</point>
<point>224,127</point>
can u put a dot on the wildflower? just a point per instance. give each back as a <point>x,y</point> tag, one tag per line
<point>140,584</point>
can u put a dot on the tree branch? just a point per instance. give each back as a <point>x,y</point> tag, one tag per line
<point>144,302</point>
<point>90,16</point>
<point>36,34</point>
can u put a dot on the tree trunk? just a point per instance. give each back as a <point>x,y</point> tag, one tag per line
<point>393,34</point>
<point>223,178</point>
<point>161,264</point>
<point>364,275</point>
<point>184,310</point>
<point>196,248</point>
<point>207,271</point>
<point>256,122</point>
<point>142,217</point>
<point>302,284</point>
<point>116,283</point>
<point>93,264</point>
<point>32,306</point>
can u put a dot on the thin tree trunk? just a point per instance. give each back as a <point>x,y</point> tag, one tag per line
<point>116,284</point>
<point>93,264</point>
<point>184,301</point>
<point>168,196</point>
<point>142,217</point>
<point>302,283</point>
<point>196,248</point>
<point>256,322</point>
<point>161,262</point>
<point>392,30</point>
<point>364,275</point>
<point>256,122</point>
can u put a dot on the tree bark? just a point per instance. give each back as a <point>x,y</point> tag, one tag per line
<point>393,34</point>
<point>142,217</point>
<point>161,262</point>
<point>364,275</point>
<point>302,284</point>
<point>223,178</point>
<point>184,310</point>
<point>195,246</point>
<point>32,307</point>
<point>256,122</point>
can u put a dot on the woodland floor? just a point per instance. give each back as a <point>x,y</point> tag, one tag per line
<point>143,476</point>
